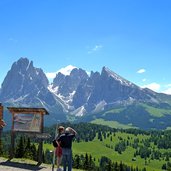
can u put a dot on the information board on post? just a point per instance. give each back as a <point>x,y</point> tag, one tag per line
<point>28,120</point>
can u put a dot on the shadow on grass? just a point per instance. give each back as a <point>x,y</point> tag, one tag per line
<point>21,165</point>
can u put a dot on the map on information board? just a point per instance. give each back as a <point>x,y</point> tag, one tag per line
<point>27,122</point>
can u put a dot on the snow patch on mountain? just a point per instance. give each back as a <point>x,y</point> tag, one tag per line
<point>100,106</point>
<point>79,111</point>
<point>117,77</point>
<point>37,72</point>
<point>65,101</point>
<point>53,89</point>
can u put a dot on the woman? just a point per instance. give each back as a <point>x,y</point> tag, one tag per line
<point>59,148</point>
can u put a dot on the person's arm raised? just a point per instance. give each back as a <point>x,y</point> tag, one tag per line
<point>72,130</point>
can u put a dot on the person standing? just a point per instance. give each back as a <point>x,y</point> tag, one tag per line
<point>58,151</point>
<point>66,144</point>
<point>2,123</point>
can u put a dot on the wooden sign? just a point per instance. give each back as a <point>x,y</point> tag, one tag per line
<point>1,111</point>
<point>28,120</point>
<point>2,123</point>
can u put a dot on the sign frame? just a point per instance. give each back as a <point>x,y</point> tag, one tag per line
<point>27,111</point>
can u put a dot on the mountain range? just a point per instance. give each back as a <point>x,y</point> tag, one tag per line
<point>104,98</point>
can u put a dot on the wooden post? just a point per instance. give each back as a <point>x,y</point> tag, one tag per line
<point>40,156</point>
<point>1,128</point>
<point>1,111</point>
<point>12,138</point>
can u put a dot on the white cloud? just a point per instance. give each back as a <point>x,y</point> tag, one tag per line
<point>140,71</point>
<point>66,71</point>
<point>167,91</point>
<point>144,79</point>
<point>160,88</point>
<point>168,85</point>
<point>95,48</point>
<point>152,86</point>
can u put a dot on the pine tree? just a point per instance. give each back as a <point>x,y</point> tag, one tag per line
<point>121,166</point>
<point>77,162</point>
<point>43,157</point>
<point>34,152</point>
<point>85,165</point>
<point>91,163</point>
<point>116,166</point>
<point>1,147</point>
<point>28,152</point>
<point>20,149</point>
<point>109,166</point>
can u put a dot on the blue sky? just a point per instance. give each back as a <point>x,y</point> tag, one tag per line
<point>131,37</point>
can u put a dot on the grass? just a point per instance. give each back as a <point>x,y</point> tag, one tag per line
<point>114,111</point>
<point>112,124</point>
<point>97,149</point>
<point>157,112</point>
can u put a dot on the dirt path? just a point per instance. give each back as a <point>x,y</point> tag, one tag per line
<point>12,168</point>
<point>6,165</point>
<point>24,165</point>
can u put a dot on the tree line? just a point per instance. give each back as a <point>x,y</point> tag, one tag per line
<point>148,148</point>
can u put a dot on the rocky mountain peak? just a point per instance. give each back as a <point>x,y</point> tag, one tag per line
<point>106,72</point>
<point>22,79</point>
<point>68,83</point>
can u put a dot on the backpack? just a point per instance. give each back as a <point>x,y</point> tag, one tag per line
<point>54,143</point>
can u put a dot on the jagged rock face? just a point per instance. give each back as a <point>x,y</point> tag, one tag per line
<point>69,83</point>
<point>23,80</point>
<point>117,88</point>
<point>85,90</point>
<point>29,85</point>
<point>59,80</point>
<point>107,87</point>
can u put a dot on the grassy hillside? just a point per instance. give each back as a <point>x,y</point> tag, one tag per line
<point>165,98</point>
<point>112,124</point>
<point>98,149</point>
<point>138,115</point>
<point>106,148</point>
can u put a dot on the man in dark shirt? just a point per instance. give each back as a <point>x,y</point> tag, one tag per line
<point>66,144</point>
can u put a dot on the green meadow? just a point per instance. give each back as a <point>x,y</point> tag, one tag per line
<point>98,148</point>
<point>112,124</point>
